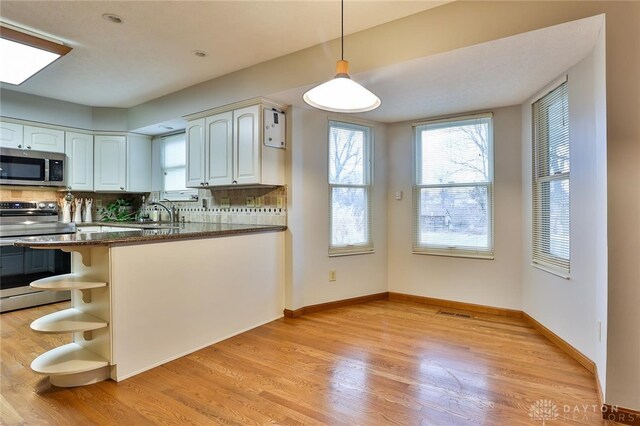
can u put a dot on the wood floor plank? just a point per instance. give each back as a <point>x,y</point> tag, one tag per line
<point>376,363</point>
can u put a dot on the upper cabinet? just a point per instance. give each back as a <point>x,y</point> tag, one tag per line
<point>110,163</point>
<point>219,150</point>
<point>43,139</point>
<point>11,135</point>
<point>79,166</point>
<point>226,149</point>
<point>122,163</point>
<point>18,136</point>
<point>195,153</point>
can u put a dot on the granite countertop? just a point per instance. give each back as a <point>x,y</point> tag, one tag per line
<point>151,232</point>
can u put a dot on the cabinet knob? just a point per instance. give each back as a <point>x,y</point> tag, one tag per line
<point>235,182</point>
<point>28,146</point>
<point>206,183</point>
<point>19,146</point>
<point>122,188</point>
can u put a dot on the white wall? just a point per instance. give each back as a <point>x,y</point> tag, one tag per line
<point>45,110</point>
<point>486,282</point>
<point>308,262</point>
<point>572,308</point>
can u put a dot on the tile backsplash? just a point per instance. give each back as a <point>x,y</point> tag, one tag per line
<point>256,206</point>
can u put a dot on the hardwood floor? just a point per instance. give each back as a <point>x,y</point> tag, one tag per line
<point>376,363</point>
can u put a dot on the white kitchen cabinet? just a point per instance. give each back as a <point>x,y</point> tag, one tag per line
<point>138,163</point>
<point>43,139</point>
<point>195,153</point>
<point>246,145</point>
<point>11,135</point>
<point>19,136</point>
<point>219,152</point>
<point>110,163</point>
<point>225,149</point>
<point>79,166</point>
<point>122,163</point>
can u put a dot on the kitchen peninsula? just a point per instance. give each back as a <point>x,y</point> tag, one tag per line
<point>143,297</point>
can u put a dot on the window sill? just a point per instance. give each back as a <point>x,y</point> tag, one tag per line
<point>552,271</point>
<point>351,253</point>
<point>461,255</point>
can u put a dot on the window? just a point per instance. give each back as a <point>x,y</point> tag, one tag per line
<point>349,189</point>
<point>453,187</point>
<point>173,156</point>
<point>551,222</point>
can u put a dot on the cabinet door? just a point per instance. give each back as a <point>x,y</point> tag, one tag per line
<point>79,150</point>
<point>11,135</point>
<point>219,149</point>
<point>246,145</point>
<point>110,173</point>
<point>138,163</point>
<point>42,139</point>
<point>195,154</point>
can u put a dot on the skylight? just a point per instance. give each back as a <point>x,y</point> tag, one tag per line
<point>23,55</point>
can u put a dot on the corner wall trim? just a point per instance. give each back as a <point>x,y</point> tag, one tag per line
<point>504,312</point>
<point>562,344</point>
<point>335,304</point>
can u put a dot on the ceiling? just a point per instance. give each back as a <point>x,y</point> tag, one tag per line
<point>150,54</point>
<point>490,75</point>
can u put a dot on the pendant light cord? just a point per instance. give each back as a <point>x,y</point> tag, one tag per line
<point>342,29</point>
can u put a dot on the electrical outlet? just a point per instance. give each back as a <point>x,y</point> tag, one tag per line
<point>251,202</point>
<point>258,202</point>
<point>280,202</point>
<point>98,203</point>
<point>332,275</point>
<point>224,203</point>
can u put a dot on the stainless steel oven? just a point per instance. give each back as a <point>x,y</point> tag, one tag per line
<point>19,266</point>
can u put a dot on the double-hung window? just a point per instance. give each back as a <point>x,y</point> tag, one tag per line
<point>551,219</point>
<point>453,187</point>
<point>173,160</point>
<point>349,189</point>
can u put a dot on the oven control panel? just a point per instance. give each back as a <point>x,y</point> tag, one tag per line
<point>28,207</point>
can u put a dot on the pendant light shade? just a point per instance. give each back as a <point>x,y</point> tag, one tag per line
<point>341,94</point>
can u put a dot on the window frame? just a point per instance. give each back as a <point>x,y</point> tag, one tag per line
<point>438,249</point>
<point>367,185</point>
<point>186,194</point>
<point>555,265</point>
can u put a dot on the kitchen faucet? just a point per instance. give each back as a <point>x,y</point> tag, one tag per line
<point>173,216</point>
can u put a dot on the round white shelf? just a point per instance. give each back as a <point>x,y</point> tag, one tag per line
<point>67,282</point>
<point>67,321</point>
<point>68,359</point>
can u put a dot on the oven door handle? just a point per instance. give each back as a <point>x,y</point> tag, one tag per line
<point>7,241</point>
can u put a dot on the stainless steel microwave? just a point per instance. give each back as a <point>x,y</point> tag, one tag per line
<point>26,167</point>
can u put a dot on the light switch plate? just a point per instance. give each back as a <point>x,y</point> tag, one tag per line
<point>224,203</point>
<point>280,202</point>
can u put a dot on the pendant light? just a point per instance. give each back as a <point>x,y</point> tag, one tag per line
<point>341,94</point>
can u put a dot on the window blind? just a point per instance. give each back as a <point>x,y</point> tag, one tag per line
<point>453,187</point>
<point>551,181</point>
<point>174,166</point>
<point>349,173</point>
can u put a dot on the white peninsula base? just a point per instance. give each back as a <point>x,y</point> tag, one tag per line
<point>172,298</point>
